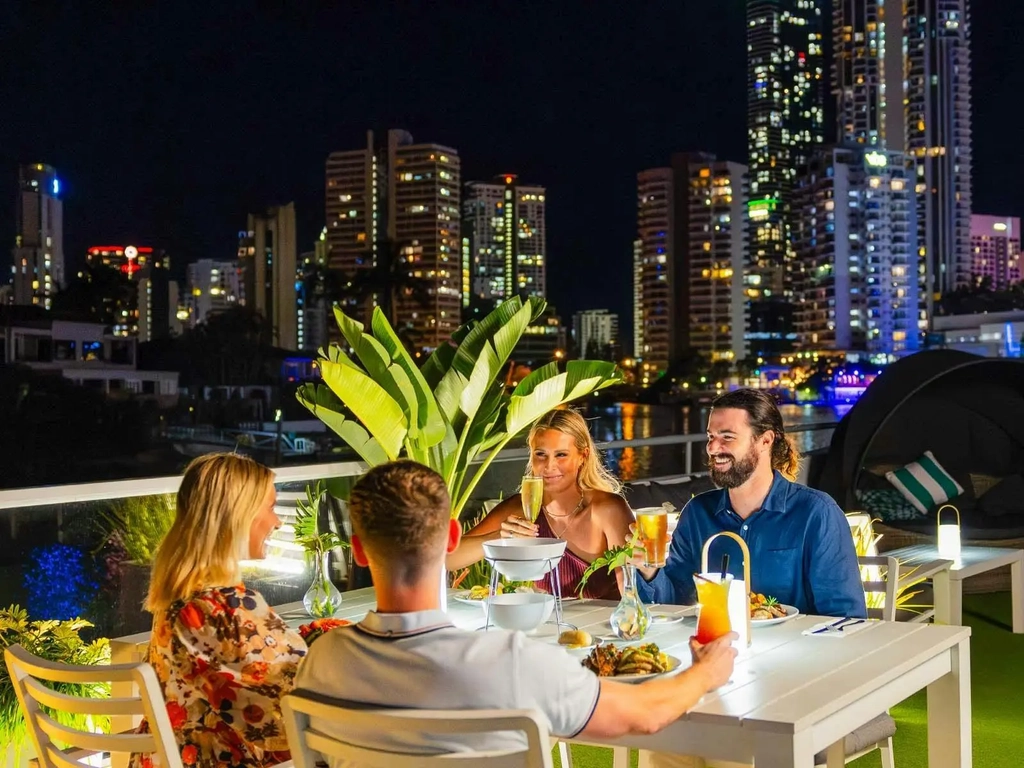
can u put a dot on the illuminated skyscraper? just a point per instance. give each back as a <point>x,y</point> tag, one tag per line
<point>267,258</point>
<point>403,198</point>
<point>995,250</point>
<point>856,245</point>
<point>37,269</point>
<point>504,229</point>
<point>638,298</point>
<point>902,81</point>
<point>785,125</point>
<point>212,286</point>
<point>689,261</point>
<point>938,138</point>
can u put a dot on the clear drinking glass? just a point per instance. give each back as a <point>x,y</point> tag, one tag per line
<point>532,495</point>
<point>653,525</point>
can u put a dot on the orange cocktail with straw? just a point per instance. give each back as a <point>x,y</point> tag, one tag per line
<point>713,608</point>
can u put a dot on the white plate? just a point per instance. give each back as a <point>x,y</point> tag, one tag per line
<point>664,619</point>
<point>673,666</point>
<point>791,613</point>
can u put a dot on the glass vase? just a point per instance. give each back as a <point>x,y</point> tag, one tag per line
<point>322,600</point>
<point>631,617</point>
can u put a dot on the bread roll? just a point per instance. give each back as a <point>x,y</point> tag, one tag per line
<point>575,638</point>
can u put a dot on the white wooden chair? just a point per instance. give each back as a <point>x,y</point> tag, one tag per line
<point>307,743</point>
<point>27,670</point>
<point>880,575</point>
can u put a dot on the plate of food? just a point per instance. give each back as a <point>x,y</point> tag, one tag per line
<point>631,663</point>
<point>766,610</point>
<point>477,594</point>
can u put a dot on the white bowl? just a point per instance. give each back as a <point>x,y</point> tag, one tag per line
<point>524,611</point>
<point>524,559</point>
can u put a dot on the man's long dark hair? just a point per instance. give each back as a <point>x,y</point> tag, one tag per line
<point>764,416</point>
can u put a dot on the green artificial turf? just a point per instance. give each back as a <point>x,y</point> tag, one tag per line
<point>997,698</point>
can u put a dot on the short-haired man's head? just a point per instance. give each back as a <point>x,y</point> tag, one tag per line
<point>402,509</point>
<point>764,417</point>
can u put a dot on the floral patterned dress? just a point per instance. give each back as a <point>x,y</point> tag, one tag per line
<point>224,659</point>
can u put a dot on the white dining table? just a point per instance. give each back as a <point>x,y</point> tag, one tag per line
<point>791,695</point>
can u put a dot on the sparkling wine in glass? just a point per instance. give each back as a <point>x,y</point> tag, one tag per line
<point>532,495</point>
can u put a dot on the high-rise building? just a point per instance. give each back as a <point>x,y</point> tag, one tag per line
<point>158,297</point>
<point>396,207</point>
<point>785,125</point>
<point>504,227</point>
<point>867,72</point>
<point>143,306</point>
<point>311,300</point>
<point>937,73</point>
<point>661,262</point>
<point>691,257</point>
<point>268,261</point>
<point>995,250</point>
<point>596,334</point>
<point>212,286</point>
<point>638,298</point>
<point>37,269</point>
<point>902,82</point>
<point>717,258</point>
<point>856,245</point>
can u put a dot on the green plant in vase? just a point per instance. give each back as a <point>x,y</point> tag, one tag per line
<point>55,641</point>
<point>322,599</point>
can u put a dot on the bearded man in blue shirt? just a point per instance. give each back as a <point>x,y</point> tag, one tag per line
<point>801,548</point>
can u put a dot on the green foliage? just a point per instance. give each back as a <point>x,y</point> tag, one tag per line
<point>865,541</point>
<point>55,641</point>
<point>613,558</point>
<point>140,523</point>
<point>307,528</point>
<point>453,411</point>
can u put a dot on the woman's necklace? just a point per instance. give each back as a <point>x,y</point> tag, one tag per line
<point>569,523</point>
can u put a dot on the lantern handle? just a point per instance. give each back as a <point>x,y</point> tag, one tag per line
<point>746,570</point>
<point>938,514</point>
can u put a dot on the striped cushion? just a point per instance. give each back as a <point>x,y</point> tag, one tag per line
<point>925,483</point>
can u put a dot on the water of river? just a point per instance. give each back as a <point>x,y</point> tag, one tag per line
<point>631,421</point>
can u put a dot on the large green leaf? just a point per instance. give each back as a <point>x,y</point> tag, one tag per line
<point>382,416</point>
<point>440,360</point>
<point>480,381</point>
<point>470,347</point>
<point>427,427</point>
<point>327,407</point>
<point>523,410</point>
<point>586,376</point>
<point>508,335</point>
<point>528,384</point>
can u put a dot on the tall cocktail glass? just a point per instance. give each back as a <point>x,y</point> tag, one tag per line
<point>713,607</point>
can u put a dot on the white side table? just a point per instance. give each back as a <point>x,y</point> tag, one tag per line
<point>973,560</point>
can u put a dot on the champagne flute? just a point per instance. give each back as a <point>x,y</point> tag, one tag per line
<point>532,495</point>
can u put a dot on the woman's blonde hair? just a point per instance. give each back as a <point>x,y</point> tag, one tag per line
<point>593,476</point>
<point>219,497</point>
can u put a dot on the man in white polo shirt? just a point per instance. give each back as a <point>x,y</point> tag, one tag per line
<point>408,654</point>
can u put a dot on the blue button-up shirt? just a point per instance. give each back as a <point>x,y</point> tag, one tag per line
<point>801,551</point>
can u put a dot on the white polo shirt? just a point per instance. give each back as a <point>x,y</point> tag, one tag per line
<point>421,661</point>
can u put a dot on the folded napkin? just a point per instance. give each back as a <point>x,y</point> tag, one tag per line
<point>848,627</point>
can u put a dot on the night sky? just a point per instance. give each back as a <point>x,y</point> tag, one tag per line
<point>168,123</point>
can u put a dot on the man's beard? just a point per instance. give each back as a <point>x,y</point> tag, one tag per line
<point>736,473</point>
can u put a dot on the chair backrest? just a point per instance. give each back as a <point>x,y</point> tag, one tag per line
<point>27,671</point>
<point>881,577</point>
<point>307,744</point>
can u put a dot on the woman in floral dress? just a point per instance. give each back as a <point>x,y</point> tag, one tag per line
<point>223,656</point>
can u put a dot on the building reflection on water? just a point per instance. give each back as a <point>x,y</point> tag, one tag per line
<point>632,421</point>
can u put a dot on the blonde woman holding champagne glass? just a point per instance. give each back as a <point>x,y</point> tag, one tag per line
<point>580,502</point>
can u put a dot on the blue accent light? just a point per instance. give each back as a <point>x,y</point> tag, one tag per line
<point>56,187</point>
